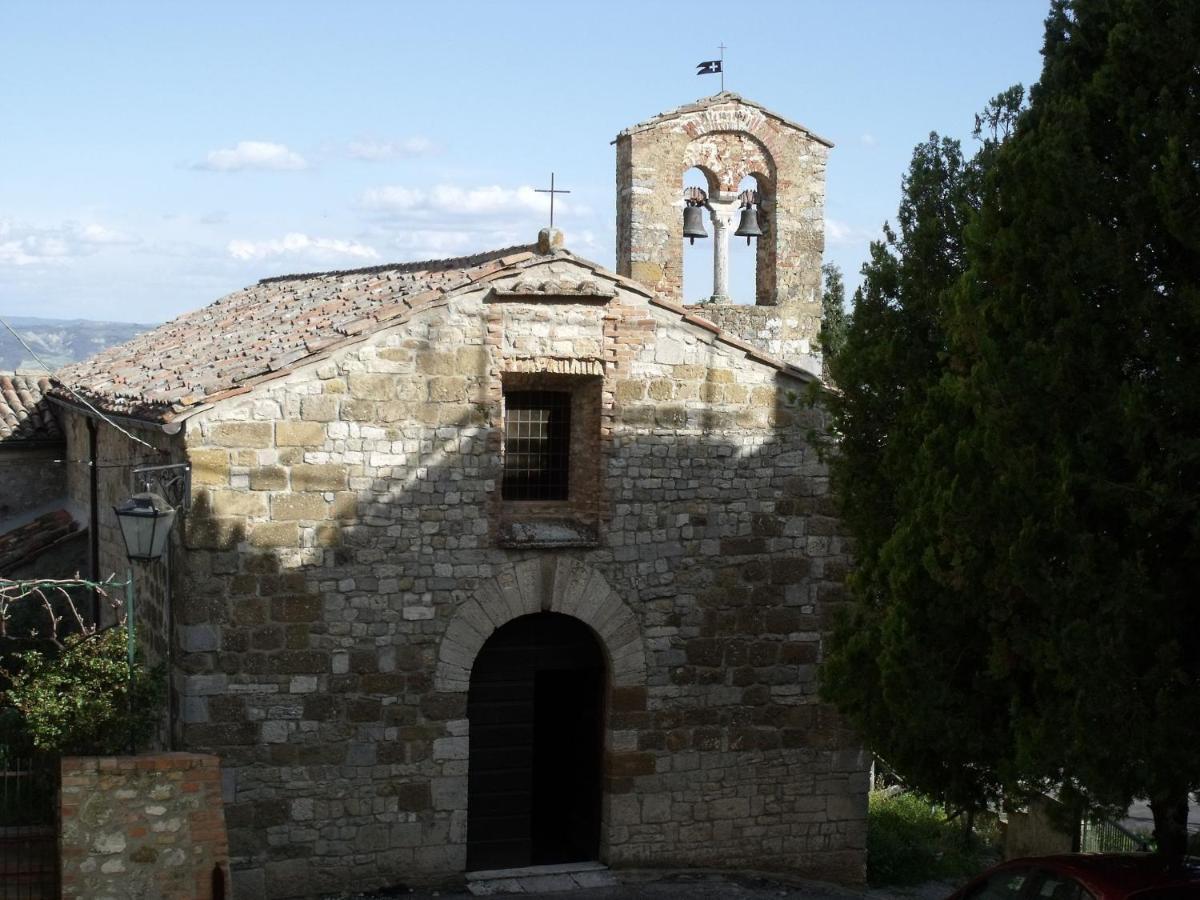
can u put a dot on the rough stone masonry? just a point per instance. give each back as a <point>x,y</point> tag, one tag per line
<point>348,555</point>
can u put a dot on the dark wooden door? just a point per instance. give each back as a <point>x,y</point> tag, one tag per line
<point>535,707</point>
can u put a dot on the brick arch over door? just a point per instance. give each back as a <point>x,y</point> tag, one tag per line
<point>544,584</point>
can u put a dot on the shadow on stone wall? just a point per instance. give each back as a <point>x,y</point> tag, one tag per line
<point>311,646</point>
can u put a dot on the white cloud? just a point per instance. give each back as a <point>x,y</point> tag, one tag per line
<point>26,245</point>
<point>262,155</point>
<point>869,139</point>
<point>301,245</point>
<point>454,200</point>
<point>839,232</point>
<point>379,151</point>
<point>448,219</point>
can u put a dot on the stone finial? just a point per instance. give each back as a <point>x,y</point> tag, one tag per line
<point>549,240</point>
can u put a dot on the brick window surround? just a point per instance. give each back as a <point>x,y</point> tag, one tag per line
<point>551,484</point>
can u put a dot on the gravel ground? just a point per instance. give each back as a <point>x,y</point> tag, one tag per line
<point>694,886</point>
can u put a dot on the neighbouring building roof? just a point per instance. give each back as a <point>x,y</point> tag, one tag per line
<point>716,99</point>
<point>25,542</point>
<point>271,328</point>
<point>25,414</point>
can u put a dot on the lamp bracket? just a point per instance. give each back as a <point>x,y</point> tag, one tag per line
<point>172,482</point>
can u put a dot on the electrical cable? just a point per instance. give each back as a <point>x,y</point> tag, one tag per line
<point>74,392</point>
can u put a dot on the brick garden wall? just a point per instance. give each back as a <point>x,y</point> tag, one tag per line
<point>142,827</point>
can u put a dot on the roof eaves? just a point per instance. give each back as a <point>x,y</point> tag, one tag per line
<point>705,103</point>
<point>456,262</point>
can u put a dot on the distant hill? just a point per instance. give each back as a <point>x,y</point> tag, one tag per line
<point>59,341</point>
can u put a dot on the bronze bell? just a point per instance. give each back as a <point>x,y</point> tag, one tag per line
<point>748,227</point>
<point>693,223</point>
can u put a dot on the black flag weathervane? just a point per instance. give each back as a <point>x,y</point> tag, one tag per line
<point>713,67</point>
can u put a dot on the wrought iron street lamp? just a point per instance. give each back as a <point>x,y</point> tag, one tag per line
<point>145,521</point>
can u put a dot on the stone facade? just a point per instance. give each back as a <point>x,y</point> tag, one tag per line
<point>31,478</point>
<point>349,552</point>
<point>342,567</point>
<point>729,138</point>
<point>143,827</point>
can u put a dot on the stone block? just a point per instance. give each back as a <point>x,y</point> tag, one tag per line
<point>247,435</point>
<point>199,638</point>
<point>450,748</point>
<point>630,390</point>
<point>360,411</point>
<point>449,793</point>
<point>238,503</point>
<point>473,360</point>
<point>268,478</point>
<point>209,466</point>
<point>431,362</point>
<point>345,506</point>
<point>321,408</point>
<point>204,685</point>
<point>365,386</point>
<point>328,535</point>
<point>211,533</point>
<point>295,609</point>
<point>447,390</point>
<point>319,477</point>
<point>274,534</point>
<point>299,434</point>
<point>288,507</point>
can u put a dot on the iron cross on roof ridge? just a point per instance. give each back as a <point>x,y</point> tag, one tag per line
<point>551,191</point>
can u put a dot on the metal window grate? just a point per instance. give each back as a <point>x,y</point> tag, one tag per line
<point>28,833</point>
<point>537,439</point>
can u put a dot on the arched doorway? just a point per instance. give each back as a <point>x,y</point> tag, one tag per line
<point>536,713</point>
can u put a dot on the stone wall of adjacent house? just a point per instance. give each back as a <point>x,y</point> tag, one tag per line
<point>116,455</point>
<point>729,140</point>
<point>30,478</point>
<point>143,826</point>
<point>344,564</point>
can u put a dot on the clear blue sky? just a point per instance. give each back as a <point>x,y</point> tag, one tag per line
<point>155,156</point>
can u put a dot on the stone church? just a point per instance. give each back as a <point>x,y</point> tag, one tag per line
<point>507,560</point>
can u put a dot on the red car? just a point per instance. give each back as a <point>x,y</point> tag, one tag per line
<point>1085,876</point>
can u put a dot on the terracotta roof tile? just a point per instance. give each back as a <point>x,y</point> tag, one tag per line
<point>25,542</point>
<point>25,414</point>
<point>265,331</point>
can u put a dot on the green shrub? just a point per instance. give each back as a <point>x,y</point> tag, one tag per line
<point>910,840</point>
<point>82,699</point>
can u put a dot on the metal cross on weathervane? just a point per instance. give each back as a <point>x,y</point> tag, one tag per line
<point>551,191</point>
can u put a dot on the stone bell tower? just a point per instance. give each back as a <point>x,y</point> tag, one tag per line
<point>728,138</point>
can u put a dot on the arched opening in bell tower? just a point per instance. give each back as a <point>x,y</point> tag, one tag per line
<point>697,258</point>
<point>735,171</point>
<point>749,279</point>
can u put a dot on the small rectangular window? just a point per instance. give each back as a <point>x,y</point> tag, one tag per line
<point>537,439</point>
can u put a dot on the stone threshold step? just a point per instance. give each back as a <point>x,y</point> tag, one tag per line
<point>540,879</point>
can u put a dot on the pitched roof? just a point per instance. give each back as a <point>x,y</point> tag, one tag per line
<point>263,332</point>
<point>268,330</point>
<point>716,99</point>
<point>25,414</point>
<point>25,542</point>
